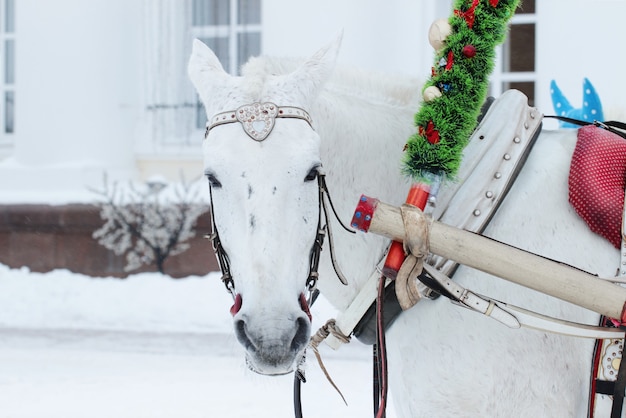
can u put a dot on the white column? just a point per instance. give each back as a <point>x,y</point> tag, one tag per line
<point>77,89</point>
<point>170,99</point>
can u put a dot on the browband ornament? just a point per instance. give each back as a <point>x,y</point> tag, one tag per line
<point>257,119</point>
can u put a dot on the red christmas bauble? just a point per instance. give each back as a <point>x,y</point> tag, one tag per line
<point>469,51</point>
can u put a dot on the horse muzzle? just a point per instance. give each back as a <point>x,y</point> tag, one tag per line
<point>273,342</point>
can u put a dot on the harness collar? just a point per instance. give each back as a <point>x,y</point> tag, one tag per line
<point>258,118</point>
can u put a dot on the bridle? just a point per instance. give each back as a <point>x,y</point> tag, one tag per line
<point>258,120</point>
<point>316,249</point>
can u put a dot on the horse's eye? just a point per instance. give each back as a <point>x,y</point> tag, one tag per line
<point>312,175</point>
<point>213,181</point>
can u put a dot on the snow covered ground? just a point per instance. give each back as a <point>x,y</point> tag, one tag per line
<point>73,346</point>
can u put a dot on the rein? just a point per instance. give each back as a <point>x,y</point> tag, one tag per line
<point>324,195</point>
<point>618,128</point>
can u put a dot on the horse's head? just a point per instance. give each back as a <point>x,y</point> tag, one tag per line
<point>262,159</point>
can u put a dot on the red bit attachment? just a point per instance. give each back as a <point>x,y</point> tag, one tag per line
<point>237,305</point>
<point>305,306</point>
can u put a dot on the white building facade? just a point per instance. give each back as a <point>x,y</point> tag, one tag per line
<point>100,85</point>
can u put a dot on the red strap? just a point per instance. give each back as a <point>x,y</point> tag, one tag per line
<point>597,352</point>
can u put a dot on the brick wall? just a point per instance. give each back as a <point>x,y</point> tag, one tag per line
<point>45,238</point>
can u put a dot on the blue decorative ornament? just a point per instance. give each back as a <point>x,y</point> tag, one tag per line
<point>445,87</point>
<point>589,112</point>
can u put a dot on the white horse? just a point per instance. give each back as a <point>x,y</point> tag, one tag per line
<point>443,361</point>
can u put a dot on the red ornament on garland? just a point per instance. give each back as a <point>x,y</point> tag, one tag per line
<point>431,134</point>
<point>494,3</point>
<point>469,51</point>
<point>450,60</point>
<point>468,15</point>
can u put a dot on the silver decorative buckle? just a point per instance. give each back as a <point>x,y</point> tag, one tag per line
<point>257,119</point>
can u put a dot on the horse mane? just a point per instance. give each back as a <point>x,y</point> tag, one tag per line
<point>372,87</point>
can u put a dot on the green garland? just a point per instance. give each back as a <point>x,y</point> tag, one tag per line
<point>457,88</point>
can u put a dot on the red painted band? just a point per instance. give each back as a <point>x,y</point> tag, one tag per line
<point>363,213</point>
<point>418,197</point>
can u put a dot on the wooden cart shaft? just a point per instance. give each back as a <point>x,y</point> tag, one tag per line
<point>510,263</point>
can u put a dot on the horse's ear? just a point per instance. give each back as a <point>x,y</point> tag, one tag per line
<point>204,67</point>
<point>313,74</point>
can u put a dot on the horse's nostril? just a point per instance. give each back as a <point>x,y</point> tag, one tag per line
<point>242,334</point>
<point>301,338</point>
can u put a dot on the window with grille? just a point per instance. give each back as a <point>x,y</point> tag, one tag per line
<point>232,29</point>
<point>515,67</point>
<point>7,73</point>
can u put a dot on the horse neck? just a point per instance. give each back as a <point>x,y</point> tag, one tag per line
<point>363,135</point>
